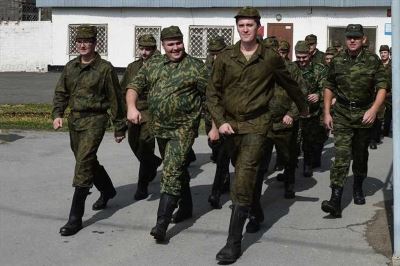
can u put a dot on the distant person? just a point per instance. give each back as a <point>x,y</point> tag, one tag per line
<point>316,56</point>
<point>385,54</point>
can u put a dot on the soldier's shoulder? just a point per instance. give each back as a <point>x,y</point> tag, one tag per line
<point>319,66</point>
<point>372,57</point>
<point>72,62</point>
<point>196,61</point>
<point>106,64</point>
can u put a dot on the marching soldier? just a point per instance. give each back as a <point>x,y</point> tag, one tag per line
<point>329,54</point>
<point>316,56</point>
<point>384,53</point>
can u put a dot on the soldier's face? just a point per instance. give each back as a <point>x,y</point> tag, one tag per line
<point>174,49</point>
<point>146,52</point>
<point>247,29</point>
<point>283,54</point>
<point>384,55</point>
<point>354,43</point>
<point>328,58</point>
<point>303,59</point>
<point>85,47</point>
<point>313,47</point>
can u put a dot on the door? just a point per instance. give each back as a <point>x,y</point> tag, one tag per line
<point>283,31</point>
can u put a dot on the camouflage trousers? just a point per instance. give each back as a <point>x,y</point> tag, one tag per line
<point>174,153</point>
<point>350,143</point>
<point>247,151</point>
<point>142,143</point>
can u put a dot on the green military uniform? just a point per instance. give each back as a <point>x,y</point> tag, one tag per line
<point>313,132</point>
<point>388,103</point>
<point>140,137</point>
<point>239,93</point>
<point>317,56</point>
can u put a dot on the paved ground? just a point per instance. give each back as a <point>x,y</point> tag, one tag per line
<point>35,195</point>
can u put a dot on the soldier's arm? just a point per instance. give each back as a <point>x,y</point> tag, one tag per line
<point>60,101</point>
<point>133,90</point>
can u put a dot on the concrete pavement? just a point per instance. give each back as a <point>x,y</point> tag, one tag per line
<point>36,172</point>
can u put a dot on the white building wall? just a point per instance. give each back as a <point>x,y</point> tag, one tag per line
<point>25,46</point>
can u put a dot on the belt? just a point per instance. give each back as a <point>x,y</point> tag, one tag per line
<point>352,104</point>
<point>83,114</point>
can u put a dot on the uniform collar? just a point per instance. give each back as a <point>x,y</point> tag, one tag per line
<point>236,53</point>
<point>94,64</point>
<point>167,61</point>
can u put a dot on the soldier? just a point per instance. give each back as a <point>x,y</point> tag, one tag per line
<point>284,49</point>
<point>352,78</point>
<point>89,86</point>
<point>338,45</point>
<point>313,132</point>
<point>384,53</point>
<point>238,93</point>
<point>329,54</point>
<point>316,56</point>
<point>140,139</point>
<point>176,82</point>
<point>217,141</point>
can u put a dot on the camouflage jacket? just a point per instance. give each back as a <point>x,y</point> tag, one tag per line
<point>318,57</point>
<point>90,89</point>
<point>239,91</point>
<point>355,79</point>
<point>388,69</point>
<point>314,76</point>
<point>281,104</point>
<point>175,92</point>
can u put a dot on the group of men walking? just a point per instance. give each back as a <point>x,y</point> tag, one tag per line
<point>252,96</point>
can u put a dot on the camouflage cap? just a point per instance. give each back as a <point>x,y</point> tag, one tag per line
<point>311,39</point>
<point>354,30</point>
<point>271,41</point>
<point>284,45</point>
<point>86,32</point>
<point>171,32</point>
<point>331,50</point>
<point>248,12</point>
<point>336,43</point>
<point>384,48</point>
<point>302,47</point>
<point>147,40</point>
<point>216,44</point>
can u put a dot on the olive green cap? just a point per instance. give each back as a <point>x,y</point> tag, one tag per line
<point>354,30</point>
<point>248,12</point>
<point>384,48</point>
<point>331,50</point>
<point>86,32</point>
<point>302,47</point>
<point>216,44</point>
<point>147,40</point>
<point>336,43</point>
<point>284,45</point>
<point>271,41</point>
<point>311,39</point>
<point>171,32</point>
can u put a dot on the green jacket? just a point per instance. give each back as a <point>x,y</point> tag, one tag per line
<point>90,89</point>
<point>175,92</point>
<point>318,57</point>
<point>239,91</point>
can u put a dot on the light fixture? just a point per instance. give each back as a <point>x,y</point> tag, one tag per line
<point>278,17</point>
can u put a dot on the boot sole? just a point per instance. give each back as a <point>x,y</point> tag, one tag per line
<point>157,236</point>
<point>359,202</point>
<point>225,260</point>
<point>331,211</point>
<point>70,233</point>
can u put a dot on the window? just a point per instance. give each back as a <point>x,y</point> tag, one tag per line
<point>199,36</point>
<point>337,33</point>
<point>102,41</point>
<point>140,30</point>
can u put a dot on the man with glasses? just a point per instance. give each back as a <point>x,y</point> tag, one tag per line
<point>89,86</point>
<point>357,78</point>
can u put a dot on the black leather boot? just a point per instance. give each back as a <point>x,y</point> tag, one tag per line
<point>214,199</point>
<point>289,191</point>
<point>358,194</point>
<point>256,217</point>
<point>233,248</point>
<point>147,173</point>
<point>102,182</point>
<point>141,190</point>
<point>185,206</point>
<point>226,183</point>
<point>307,165</point>
<point>373,145</point>
<point>74,223</point>
<point>166,207</point>
<point>333,206</point>
<point>190,158</point>
<point>317,154</point>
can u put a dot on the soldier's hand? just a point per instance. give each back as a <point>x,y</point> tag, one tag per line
<point>226,129</point>
<point>57,123</point>
<point>287,120</point>
<point>213,135</point>
<point>328,121</point>
<point>369,117</point>
<point>333,102</point>
<point>134,116</point>
<point>313,98</point>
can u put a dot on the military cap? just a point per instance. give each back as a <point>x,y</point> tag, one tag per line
<point>354,30</point>
<point>171,32</point>
<point>302,47</point>
<point>86,32</point>
<point>216,44</point>
<point>336,43</point>
<point>311,39</point>
<point>384,48</point>
<point>147,40</point>
<point>248,12</point>
<point>271,41</point>
<point>331,50</point>
<point>284,45</point>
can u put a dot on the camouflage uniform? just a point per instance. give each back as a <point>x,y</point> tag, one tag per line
<point>238,93</point>
<point>317,57</point>
<point>174,98</point>
<point>140,138</point>
<point>388,103</point>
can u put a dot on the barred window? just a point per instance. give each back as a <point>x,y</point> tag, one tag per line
<point>102,39</point>
<point>200,35</point>
<point>140,30</point>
